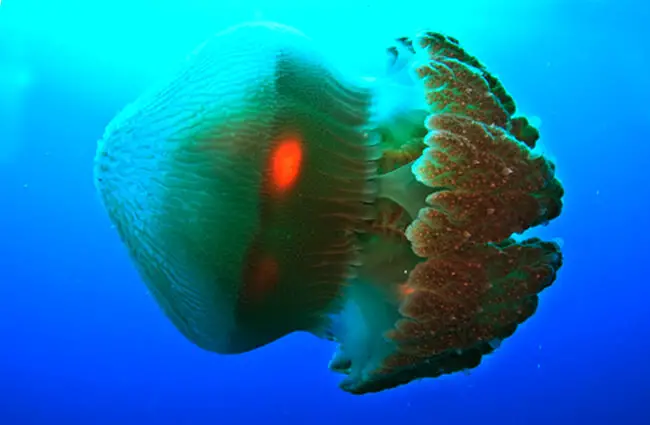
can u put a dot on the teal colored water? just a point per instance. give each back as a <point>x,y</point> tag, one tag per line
<point>82,340</point>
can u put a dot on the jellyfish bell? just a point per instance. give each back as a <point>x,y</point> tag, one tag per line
<point>238,185</point>
<point>262,191</point>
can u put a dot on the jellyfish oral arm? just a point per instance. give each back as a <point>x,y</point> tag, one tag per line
<point>467,185</point>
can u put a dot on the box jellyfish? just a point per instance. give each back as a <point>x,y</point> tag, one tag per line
<point>262,191</point>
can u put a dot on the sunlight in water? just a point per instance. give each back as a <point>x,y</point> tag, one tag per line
<point>15,80</point>
<point>145,45</point>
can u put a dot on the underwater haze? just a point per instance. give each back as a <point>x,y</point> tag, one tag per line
<point>83,337</point>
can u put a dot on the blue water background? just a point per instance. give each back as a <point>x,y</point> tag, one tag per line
<point>81,341</point>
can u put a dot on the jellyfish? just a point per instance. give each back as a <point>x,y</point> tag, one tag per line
<point>261,191</point>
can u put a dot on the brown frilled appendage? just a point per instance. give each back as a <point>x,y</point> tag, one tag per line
<point>475,283</point>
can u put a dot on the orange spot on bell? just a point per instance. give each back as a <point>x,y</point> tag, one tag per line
<point>262,277</point>
<point>286,159</point>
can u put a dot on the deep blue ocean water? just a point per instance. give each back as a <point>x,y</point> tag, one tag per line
<point>81,341</point>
